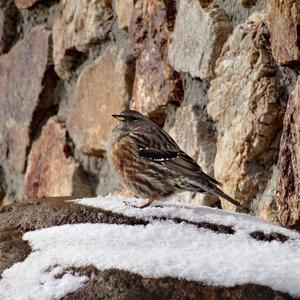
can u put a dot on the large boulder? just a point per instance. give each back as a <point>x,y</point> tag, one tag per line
<point>105,248</point>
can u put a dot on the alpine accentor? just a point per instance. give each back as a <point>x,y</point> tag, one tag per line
<point>150,163</point>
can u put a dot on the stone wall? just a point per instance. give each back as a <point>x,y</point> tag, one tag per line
<point>220,76</point>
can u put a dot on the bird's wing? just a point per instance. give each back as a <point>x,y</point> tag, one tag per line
<point>177,161</point>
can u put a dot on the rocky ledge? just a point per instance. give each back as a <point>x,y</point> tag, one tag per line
<point>104,248</point>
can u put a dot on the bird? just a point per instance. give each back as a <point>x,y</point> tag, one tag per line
<point>149,162</point>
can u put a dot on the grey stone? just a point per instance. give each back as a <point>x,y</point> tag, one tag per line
<point>266,203</point>
<point>199,34</point>
<point>195,133</point>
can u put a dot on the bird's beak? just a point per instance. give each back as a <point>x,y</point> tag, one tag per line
<point>119,117</point>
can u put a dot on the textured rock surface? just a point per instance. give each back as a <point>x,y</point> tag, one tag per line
<point>109,284</point>
<point>12,248</point>
<point>243,100</point>
<point>201,29</point>
<point>113,283</point>
<point>236,9</point>
<point>103,88</point>
<point>288,199</point>
<point>267,208</point>
<point>77,25</point>
<point>51,169</point>
<point>195,133</point>
<point>284,22</point>
<point>149,34</point>
<point>8,30</point>
<point>156,83</point>
<point>124,10</point>
<point>26,82</point>
<point>25,3</point>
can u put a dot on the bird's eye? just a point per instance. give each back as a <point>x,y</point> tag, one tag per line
<point>132,118</point>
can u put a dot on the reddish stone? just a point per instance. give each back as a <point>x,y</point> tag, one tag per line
<point>156,83</point>
<point>284,23</point>
<point>51,170</point>
<point>288,186</point>
<point>26,84</point>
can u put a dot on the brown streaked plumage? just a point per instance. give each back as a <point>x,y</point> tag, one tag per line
<point>150,163</point>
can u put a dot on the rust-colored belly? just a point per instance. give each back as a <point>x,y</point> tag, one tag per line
<point>142,177</point>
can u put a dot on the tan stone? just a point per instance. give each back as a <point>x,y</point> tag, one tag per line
<point>26,84</point>
<point>244,102</point>
<point>103,88</point>
<point>284,22</point>
<point>200,32</point>
<point>8,28</point>
<point>288,197</point>
<point>77,25</point>
<point>156,83</point>
<point>7,200</point>
<point>25,3</point>
<point>124,10</point>
<point>51,170</point>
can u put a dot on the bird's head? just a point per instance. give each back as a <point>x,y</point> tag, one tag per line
<point>129,121</point>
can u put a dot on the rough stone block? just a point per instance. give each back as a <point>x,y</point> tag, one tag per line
<point>51,169</point>
<point>77,25</point>
<point>288,187</point>
<point>156,83</point>
<point>284,24</point>
<point>124,10</point>
<point>201,29</point>
<point>26,83</point>
<point>243,100</point>
<point>103,88</point>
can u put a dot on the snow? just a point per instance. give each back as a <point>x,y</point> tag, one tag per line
<point>242,223</point>
<point>161,248</point>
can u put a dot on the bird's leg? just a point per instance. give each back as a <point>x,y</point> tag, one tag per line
<point>150,200</point>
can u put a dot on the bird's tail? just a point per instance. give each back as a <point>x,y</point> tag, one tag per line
<point>217,192</point>
<point>212,189</point>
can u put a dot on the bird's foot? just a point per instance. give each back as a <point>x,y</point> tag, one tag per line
<point>150,200</point>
